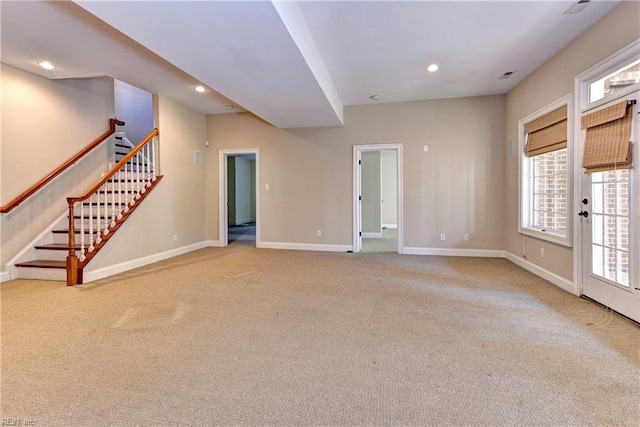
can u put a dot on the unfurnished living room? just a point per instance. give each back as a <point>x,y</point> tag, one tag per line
<point>320,213</point>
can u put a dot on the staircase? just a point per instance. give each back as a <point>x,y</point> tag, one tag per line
<point>63,250</point>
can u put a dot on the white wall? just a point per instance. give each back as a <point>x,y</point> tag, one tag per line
<point>177,204</point>
<point>44,123</point>
<point>456,188</point>
<point>134,106</point>
<point>550,82</point>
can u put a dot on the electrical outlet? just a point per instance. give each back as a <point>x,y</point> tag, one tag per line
<point>266,187</point>
<point>175,237</point>
<point>319,233</point>
<point>466,237</point>
<point>443,237</point>
<point>541,252</point>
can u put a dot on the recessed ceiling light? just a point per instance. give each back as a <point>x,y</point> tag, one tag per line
<point>375,97</point>
<point>200,89</point>
<point>432,68</point>
<point>229,107</point>
<point>46,65</point>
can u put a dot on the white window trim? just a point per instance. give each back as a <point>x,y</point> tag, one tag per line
<point>523,171</point>
<point>601,69</point>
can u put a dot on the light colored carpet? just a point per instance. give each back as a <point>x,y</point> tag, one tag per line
<point>244,336</point>
<point>388,242</point>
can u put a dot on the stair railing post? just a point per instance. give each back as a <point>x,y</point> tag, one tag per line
<point>72,259</point>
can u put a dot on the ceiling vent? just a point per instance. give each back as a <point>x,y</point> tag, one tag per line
<point>506,75</point>
<point>577,7</point>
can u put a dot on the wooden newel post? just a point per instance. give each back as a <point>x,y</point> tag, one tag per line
<point>72,259</point>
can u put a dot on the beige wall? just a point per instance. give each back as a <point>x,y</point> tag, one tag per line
<point>177,205</point>
<point>455,188</point>
<point>44,123</point>
<point>547,84</point>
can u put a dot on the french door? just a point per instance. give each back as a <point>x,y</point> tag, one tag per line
<point>611,232</point>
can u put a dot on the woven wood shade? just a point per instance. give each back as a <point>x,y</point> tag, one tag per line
<point>547,133</point>
<point>607,144</point>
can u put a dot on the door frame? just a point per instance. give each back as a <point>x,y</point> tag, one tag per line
<point>357,216</point>
<point>223,197</point>
<point>580,90</point>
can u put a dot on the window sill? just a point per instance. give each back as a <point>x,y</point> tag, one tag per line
<point>547,236</point>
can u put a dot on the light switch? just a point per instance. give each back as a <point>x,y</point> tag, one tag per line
<point>425,148</point>
<point>266,187</point>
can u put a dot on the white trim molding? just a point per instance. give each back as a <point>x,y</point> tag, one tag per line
<point>559,281</point>
<point>357,155</point>
<point>306,247</point>
<point>223,220</point>
<point>101,273</point>
<point>389,225</point>
<point>4,276</point>
<point>479,253</point>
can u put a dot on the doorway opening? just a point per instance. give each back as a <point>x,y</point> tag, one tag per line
<point>377,221</point>
<point>239,208</point>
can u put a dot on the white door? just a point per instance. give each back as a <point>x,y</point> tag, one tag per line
<point>610,218</point>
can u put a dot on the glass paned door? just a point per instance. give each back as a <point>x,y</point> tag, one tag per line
<point>610,225</point>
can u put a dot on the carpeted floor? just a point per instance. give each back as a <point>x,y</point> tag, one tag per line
<point>244,336</point>
<point>388,242</point>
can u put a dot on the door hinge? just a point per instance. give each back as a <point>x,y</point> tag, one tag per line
<point>361,234</point>
<point>360,198</point>
<point>359,162</point>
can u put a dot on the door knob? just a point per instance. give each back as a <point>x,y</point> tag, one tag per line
<point>583,213</point>
<point>585,201</point>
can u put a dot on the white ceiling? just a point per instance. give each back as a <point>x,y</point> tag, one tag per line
<point>294,64</point>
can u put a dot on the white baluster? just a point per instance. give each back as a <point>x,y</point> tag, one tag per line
<point>91,247</point>
<point>113,201</point>
<point>147,168</point>
<point>98,222</point>
<point>82,257</point>
<point>106,211</point>
<point>126,188</point>
<point>119,195</point>
<point>153,159</point>
<point>138,175</point>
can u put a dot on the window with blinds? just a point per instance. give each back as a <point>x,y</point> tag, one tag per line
<point>607,142</point>
<point>545,173</point>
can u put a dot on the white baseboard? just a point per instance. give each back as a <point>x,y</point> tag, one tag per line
<point>4,276</point>
<point>389,225</point>
<point>101,273</point>
<point>372,235</point>
<point>212,243</point>
<point>306,247</point>
<point>480,253</point>
<point>559,281</point>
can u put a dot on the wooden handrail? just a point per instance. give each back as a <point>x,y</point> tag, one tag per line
<point>44,181</point>
<point>114,169</point>
<point>75,265</point>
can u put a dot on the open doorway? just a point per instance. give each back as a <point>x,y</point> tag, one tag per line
<point>378,198</point>
<point>239,197</point>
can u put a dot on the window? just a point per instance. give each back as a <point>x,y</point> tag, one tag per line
<point>545,173</point>
<point>613,78</point>
<point>617,81</point>
<point>610,225</point>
